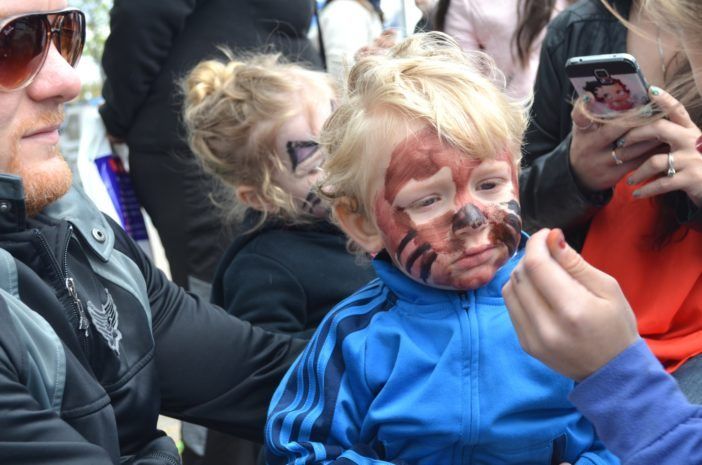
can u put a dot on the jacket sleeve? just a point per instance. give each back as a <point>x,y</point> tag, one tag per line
<point>459,24</point>
<point>29,433</point>
<point>639,412</point>
<point>264,292</point>
<point>318,410</point>
<point>550,195</point>
<point>141,35</point>
<point>213,369</point>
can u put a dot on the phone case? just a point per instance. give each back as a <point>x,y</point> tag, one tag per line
<point>615,80</point>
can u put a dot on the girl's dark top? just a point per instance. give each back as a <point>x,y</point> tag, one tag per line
<point>287,277</point>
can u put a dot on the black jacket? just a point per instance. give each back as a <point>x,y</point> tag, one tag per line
<point>154,43</point>
<point>287,277</point>
<point>65,396</point>
<point>550,195</point>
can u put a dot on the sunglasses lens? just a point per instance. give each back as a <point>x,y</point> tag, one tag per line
<point>22,47</point>
<point>71,37</point>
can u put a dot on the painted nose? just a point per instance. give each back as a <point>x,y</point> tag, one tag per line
<point>469,218</point>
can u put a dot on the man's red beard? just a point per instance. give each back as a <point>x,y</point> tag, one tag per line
<point>46,180</point>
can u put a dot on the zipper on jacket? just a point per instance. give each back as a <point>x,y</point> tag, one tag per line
<point>463,296</point>
<point>69,283</point>
<point>471,426</point>
<point>83,322</point>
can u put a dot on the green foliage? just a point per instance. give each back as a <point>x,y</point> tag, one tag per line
<point>97,15</point>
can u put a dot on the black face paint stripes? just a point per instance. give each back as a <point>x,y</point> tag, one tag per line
<point>426,266</point>
<point>406,240</point>
<point>415,255</point>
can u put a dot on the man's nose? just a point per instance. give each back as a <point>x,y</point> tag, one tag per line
<point>57,80</point>
<point>468,219</point>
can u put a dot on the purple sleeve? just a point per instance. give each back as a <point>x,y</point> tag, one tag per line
<point>639,412</point>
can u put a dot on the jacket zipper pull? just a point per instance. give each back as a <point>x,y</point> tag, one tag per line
<point>83,322</point>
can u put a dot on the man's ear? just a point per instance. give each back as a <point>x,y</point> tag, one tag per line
<point>359,228</point>
<point>250,196</point>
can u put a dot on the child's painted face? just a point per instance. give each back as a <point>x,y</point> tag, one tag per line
<point>447,220</point>
<point>615,96</point>
<point>296,144</point>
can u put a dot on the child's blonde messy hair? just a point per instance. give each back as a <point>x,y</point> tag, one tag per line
<point>233,111</point>
<point>425,81</point>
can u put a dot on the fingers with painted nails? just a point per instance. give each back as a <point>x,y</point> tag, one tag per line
<point>597,157</point>
<point>680,167</point>
<point>568,314</point>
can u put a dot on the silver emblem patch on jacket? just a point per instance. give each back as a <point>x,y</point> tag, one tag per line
<point>105,320</point>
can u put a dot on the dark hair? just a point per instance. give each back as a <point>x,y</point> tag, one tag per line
<point>440,15</point>
<point>532,17</point>
<point>592,86</point>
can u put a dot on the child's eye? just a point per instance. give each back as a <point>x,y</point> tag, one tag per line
<point>425,202</point>
<point>488,185</point>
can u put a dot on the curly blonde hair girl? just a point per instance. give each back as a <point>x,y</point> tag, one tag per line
<point>233,111</point>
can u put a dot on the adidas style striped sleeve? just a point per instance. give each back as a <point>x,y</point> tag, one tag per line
<point>317,412</point>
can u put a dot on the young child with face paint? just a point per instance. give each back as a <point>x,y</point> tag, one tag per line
<point>255,125</point>
<point>423,366</point>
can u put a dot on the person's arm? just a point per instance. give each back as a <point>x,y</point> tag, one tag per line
<point>330,374</point>
<point>264,292</point>
<point>550,195</point>
<point>575,319</point>
<point>213,369</point>
<point>141,36</point>
<point>639,411</point>
<point>29,432</point>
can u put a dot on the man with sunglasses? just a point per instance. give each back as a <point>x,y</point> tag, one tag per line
<point>94,341</point>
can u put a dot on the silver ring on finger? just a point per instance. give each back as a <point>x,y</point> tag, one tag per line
<point>671,167</point>
<point>616,159</point>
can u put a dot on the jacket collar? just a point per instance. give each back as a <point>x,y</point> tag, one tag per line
<point>416,293</point>
<point>74,207</point>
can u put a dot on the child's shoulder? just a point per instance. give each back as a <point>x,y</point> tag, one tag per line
<point>356,312</point>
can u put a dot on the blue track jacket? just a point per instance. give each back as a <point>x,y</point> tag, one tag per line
<point>404,373</point>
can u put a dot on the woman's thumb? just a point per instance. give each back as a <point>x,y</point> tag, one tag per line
<point>571,261</point>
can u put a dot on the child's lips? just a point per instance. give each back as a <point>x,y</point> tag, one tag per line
<point>475,255</point>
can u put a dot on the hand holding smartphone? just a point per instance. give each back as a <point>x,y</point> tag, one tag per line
<point>615,81</point>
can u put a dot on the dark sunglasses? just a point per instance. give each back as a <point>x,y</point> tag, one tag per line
<point>301,150</point>
<point>25,41</point>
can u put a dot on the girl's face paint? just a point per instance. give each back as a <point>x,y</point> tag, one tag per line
<point>301,157</point>
<point>447,219</point>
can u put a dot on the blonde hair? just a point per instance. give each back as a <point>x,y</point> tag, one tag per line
<point>233,111</point>
<point>671,16</point>
<point>425,79</point>
<point>677,15</point>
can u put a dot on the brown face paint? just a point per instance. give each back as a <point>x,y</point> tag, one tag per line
<point>469,216</point>
<point>462,247</point>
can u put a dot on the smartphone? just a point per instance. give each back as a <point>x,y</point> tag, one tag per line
<point>615,80</point>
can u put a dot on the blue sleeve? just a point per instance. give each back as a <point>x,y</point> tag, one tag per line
<point>317,412</point>
<point>598,455</point>
<point>639,412</point>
